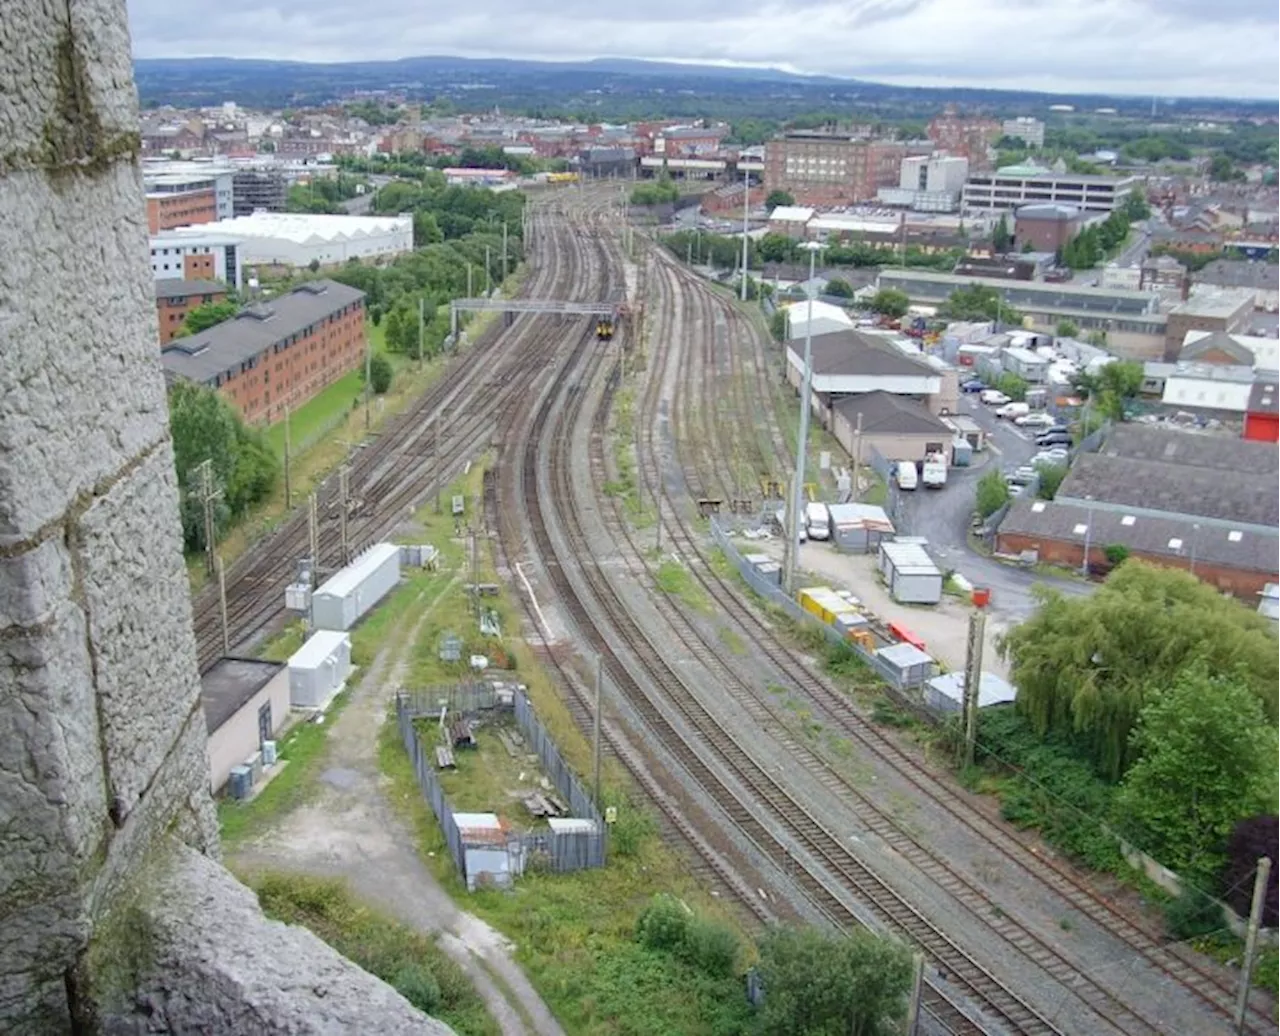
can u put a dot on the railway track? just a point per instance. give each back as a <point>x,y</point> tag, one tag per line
<point>1169,963</point>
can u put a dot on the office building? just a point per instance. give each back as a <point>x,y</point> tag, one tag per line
<point>175,298</point>
<point>1017,185</point>
<point>199,253</point>
<point>826,170</point>
<point>259,190</point>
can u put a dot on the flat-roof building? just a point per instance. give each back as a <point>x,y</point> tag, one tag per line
<point>1226,310</point>
<point>828,169</point>
<point>197,254</point>
<point>297,239</point>
<point>176,297</point>
<point>1013,186</point>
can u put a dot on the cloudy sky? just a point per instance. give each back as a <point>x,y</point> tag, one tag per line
<point>1166,47</point>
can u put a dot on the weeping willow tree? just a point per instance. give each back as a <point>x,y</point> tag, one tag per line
<point>1086,666</point>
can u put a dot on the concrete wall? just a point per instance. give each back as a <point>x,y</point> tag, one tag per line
<point>237,739</point>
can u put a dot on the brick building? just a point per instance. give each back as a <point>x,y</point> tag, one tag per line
<point>279,353</point>
<point>728,200</point>
<point>175,298</point>
<point>826,170</point>
<point>1226,311</point>
<point>1181,499</point>
<point>1046,227</point>
<point>968,136</point>
<point>166,210</point>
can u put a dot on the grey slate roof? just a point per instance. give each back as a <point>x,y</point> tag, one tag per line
<point>177,288</point>
<point>202,357</point>
<point>1234,273</point>
<point>229,683</point>
<point>1219,340</point>
<point>854,353</point>
<point>886,414</point>
<point>1190,449</point>
<point>1243,549</point>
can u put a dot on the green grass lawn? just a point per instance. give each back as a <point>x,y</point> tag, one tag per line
<point>312,417</point>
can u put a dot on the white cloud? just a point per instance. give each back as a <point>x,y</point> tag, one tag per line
<point>1170,48</point>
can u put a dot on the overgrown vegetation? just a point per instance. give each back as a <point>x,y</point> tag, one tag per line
<point>661,191</point>
<point>411,962</point>
<point>978,302</point>
<point>206,316</point>
<point>992,493</point>
<point>1050,477</point>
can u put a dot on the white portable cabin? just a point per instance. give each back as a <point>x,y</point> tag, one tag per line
<point>912,576</point>
<point>945,693</point>
<point>319,668</point>
<point>347,595</point>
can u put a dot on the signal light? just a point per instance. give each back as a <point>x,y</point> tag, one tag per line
<point>604,330</point>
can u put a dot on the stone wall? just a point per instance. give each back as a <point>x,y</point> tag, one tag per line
<point>104,787</point>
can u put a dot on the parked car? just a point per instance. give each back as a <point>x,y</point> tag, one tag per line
<point>1039,419</point>
<point>973,385</point>
<point>1013,410</point>
<point>994,397</point>
<point>1054,438</point>
<point>1021,476</point>
<point>1056,455</point>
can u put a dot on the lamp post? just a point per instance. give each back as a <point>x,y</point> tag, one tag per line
<point>1195,535</point>
<point>1088,531</point>
<point>797,489</point>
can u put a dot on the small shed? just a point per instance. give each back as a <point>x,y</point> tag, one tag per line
<point>246,702</point>
<point>487,860</point>
<point>945,693</point>
<point>907,665</point>
<point>859,527</point>
<point>319,668</point>
<point>912,576</point>
<point>1025,364</point>
<point>346,596</point>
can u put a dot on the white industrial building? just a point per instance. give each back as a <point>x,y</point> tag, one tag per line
<point>318,669</point>
<point>347,595</point>
<point>1206,386</point>
<point>298,239</point>
<point>197,253</point>
<point>816,318</point>
<point>928,183</point>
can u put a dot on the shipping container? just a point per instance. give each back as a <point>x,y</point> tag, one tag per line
<point>345,597</point>
<point>319,668</point>
<point>824,603</point>
<point>912,576</point>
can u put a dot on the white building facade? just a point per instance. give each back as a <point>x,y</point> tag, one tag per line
<point>298,239</point>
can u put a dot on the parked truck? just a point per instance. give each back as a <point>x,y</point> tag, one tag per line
<point>934,475</point>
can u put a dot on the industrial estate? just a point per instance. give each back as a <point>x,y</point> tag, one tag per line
<point>673,576</point>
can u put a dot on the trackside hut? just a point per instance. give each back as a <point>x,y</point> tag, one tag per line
<point>349,594</point>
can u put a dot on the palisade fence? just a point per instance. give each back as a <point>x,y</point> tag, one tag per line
<point>908,691</point>
<point>558,851</point>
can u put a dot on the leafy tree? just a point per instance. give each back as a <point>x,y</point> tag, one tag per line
<point>777,198</point>
<point>992,493</point>
<point>426,231</point>
<point>822,985</point>
<point>1115,553</point>
<point>1066,329</point>
<point>661,191</point>
<point>1206,759</point>
<point>776,248</point>
<point>1051,476</point>
<point>206,316</point>
<point>1134,207</point>
<point>205,427</point>
<point>380,373</point>
<point>1086,666</point>
<point>1252,839</point>
<point>1011,385</point>
<point>1222,170</point>
<point>314,266</point>
<point>1001,238</point>
<point>840,288</point>
<point>778,325</point>
<point>890,302</point>
<point>978,302</point>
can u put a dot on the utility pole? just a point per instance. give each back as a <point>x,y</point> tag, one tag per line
<point>857,454</point>
<point>343,477</point>
<point>435,458</point>
<point>802,440</point>
<point>1251,939</point>
<point>488,275</point>
<point>222,605</point>
<point>368,379</point>
<point>746,242</point>
<point>973,679</point>
<point>917,983</point>
<point>469,295</point>
<point>208,497</point>
<point>504,250</point>
<point>313,534</point>
<point>595,732</point>
<point>288,485</point>
<point>422,310</point>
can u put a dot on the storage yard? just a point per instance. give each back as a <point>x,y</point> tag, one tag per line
<point>601,479</point>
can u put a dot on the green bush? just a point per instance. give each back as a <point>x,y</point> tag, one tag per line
<point>663,924</point>
<point>416,984</point>
<point>1193,914</point>
<point>992,493</point>
<point>711,946</point>
<point>1115,553</point>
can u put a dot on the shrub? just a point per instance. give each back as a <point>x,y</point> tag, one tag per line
<point>1193,914</point>
<point>663,924</point>
<point>418,985</point>
<point>711,946</point>
<point>1115,553</point>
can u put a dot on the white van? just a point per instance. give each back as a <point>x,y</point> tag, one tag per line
<point>1012,410</point>
<point>905,472</point>
<point>817,521</point>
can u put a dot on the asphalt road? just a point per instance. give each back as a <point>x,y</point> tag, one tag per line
<point>944,516</point>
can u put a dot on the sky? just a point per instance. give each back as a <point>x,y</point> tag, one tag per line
<point>1167,48</point>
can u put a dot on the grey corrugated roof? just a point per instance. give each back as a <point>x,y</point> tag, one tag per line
<point>176,288</point>
<point>887,414</point>
<point>1244,549</point>
<point>1190,449</point>
<point>857,353</point>
<point>202,357</point>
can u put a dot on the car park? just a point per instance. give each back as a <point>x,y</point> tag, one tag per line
<point>993,397</point>
<point>1036,420</point>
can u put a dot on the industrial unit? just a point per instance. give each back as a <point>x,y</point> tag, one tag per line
<point>345,597</point>
<point>910,573</point>
<point>318,669</point>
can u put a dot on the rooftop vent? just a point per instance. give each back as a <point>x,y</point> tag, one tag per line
<point>312,287</point>
<point>1175,544</point>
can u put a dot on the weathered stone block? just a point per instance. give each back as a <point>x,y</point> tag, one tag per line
<point>129,550</point>
<point>237,972</point>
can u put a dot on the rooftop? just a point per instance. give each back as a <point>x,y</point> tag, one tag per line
<point>1190,449</point>
<point>857,353</point>
<point>1065,289</point>
<point>317,649</point>
<point>791,214</point>
<point>1236,274</point>
<point>1218,304</point>
<point>1262,398</point>
<point>884,413</point>
<point>1265,352</point>
<point>202,357</point>
<point>177,288</point>
<point>1048,210</point>
<point>347,579</point>
<point>299,227</point>
<point>229,683</point>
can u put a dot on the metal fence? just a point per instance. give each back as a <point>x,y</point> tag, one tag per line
<point>909,689</point>
<point>544,849</point>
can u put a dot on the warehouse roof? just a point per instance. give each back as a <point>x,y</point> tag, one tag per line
<point>1190,449</point>
<point>858,353</point>
<point>300,227</point>
<point>202,357</point>
<point>345,580</point>
<point>883,413</point>
<point>1215,304</point>
<point>1253,349</point>
<point>1233,273</point>
<point>1164,536</point>
<point>317,649</point>
<point>1262,400</point>
<point>229,683</point>
<point>791,214</point>
<point>177,288</point>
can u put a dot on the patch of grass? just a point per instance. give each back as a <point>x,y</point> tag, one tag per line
<point>318,414</point>
<point>732,642</point>
<point>280,647</point>
<point>302,749</point>
<point>674,579</point>
<point>411,962</point>
<point>488,779</point>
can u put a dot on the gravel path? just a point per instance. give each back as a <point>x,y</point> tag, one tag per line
<point>349,831</point>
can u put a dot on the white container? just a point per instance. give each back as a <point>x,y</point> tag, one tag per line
<point>319,668</point>
<point>345,597</point>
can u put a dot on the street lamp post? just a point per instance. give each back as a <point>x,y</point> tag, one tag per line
<point>797,489</point>
<point>1195,535</point>
<point>1088,532</point>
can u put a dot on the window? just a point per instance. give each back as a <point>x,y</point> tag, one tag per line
<point>1080,529</point>
<point>1128,519</point>
<point>1175,544</point>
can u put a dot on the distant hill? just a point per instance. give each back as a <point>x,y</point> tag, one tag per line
<point>613,88</point>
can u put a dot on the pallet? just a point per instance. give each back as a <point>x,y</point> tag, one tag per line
<point>444,758</point>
